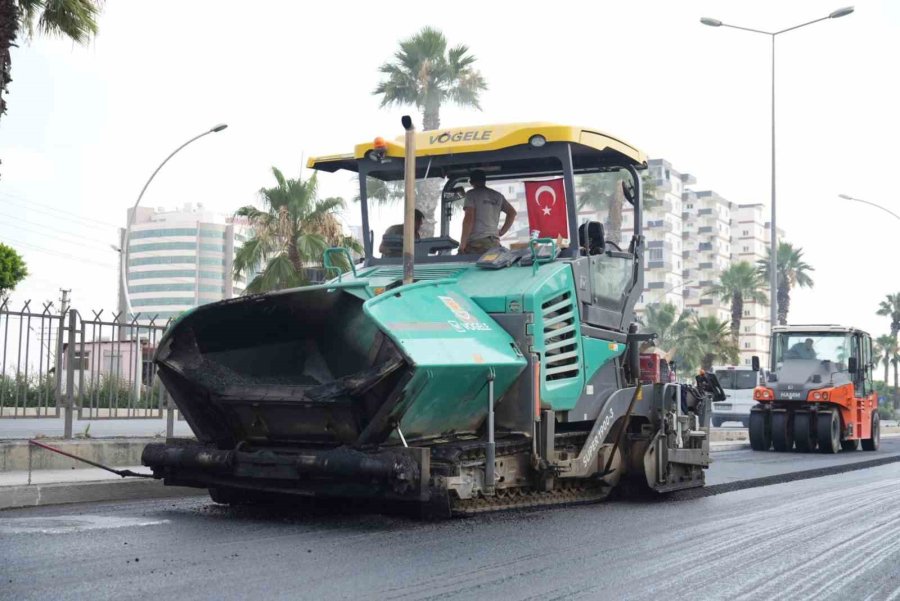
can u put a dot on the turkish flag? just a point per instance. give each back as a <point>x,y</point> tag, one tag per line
<point>547,208</point>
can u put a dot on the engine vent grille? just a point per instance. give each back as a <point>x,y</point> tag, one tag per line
<point>560,341</point>
<point>423,272</point>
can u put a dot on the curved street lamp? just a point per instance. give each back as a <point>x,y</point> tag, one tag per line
<point>125,243</point>
<point>773,282</point>
<point>878,206</point>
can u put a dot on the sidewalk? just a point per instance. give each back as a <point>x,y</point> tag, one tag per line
<point>56,487</point>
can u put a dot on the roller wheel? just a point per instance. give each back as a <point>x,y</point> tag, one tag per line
<point>872,444</point>
<point>804,436</point>
<point>760,431</point>
<point>850,445</point>
<point>828,432</point>
<point>782,431</point>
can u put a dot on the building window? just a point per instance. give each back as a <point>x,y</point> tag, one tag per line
<point>161,288</point>
<point>157,302</point>
<point>746,345</point>
<point>163,273</point>
<point>655,254</point>
<point>137,248</point>
<point>746,249</point>
<point>81,360</point>
<point>161,261</point>
<point>746,233</point>
<point>162,233</point>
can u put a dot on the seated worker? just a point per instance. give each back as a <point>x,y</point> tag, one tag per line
<point>482,217</point>
<point>802,350</point>
<point>397,230</point>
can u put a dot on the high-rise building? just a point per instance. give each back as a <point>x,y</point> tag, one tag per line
<point>750,235</point>
<point>664,276</point>
<point>178,260</point>
<point>707,245</point>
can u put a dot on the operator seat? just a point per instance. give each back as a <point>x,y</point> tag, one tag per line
<point>591,240</point>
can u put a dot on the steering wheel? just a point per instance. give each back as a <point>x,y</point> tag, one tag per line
<point>613,244</point>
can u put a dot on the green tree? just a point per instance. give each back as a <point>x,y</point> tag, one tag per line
<point>890,307</point>
<point>425,73</point>
<point>709,341</point>
<point>290,235</point>
<point>12,270</point>
<point>738,284</point>
<point>791,271</point>
<point>74,19</point>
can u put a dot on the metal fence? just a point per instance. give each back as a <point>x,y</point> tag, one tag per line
<point>62,364</point>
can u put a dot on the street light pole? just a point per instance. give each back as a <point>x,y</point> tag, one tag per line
<point>773,233</point>
<point>126,297</point>
<point>130,221</point>
<point>878,206</point>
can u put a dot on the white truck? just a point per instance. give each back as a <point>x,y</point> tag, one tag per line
<point>738,382</point>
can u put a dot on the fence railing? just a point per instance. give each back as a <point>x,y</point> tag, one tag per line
<point>62,364</point>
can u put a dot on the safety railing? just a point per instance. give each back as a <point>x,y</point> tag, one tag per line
<point>64,364</point>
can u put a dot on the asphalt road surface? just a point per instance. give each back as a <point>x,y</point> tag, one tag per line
<point>744,464</point>
<point>835,537</point>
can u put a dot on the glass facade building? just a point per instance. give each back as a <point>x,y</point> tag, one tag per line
<point>178,260</point>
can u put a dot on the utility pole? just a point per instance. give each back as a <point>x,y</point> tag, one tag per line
<point>60,328</point>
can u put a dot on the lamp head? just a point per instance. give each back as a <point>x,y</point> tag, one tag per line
<point>713,22</point>
<point>841,12</point>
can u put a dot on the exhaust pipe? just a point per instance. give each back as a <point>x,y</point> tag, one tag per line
<point>409,216</point>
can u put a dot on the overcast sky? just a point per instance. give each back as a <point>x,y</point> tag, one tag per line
<point>87,125</point>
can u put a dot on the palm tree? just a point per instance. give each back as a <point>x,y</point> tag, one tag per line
<point>709,341</point>
<point>890,306</point>
<point>603,192</point>
<point>290,235</point>
<point>894,354</point>
<point>884,347</point>
<point>74,19</point>
<point>663,320</point>
<point>426,74</point>
<point>738,284</point>
<point>792,271</point>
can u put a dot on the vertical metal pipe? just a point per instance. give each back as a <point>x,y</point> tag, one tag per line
<point>5,315</point>
<point>364,208</point>
<point>70,376</point>
<point>571,205</point>
<point>170,417</point>
<point>409,215</point>
<point>773,275</point>
<point>490,453</point>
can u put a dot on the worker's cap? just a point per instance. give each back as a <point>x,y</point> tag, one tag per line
<point>477,175</point>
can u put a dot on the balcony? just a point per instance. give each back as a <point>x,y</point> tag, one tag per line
<point>664,264</point>
<point>659,226</point>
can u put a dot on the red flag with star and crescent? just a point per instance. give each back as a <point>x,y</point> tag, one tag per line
<point>547,208</point>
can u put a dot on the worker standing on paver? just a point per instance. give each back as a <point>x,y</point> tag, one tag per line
<point>482,216</point>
